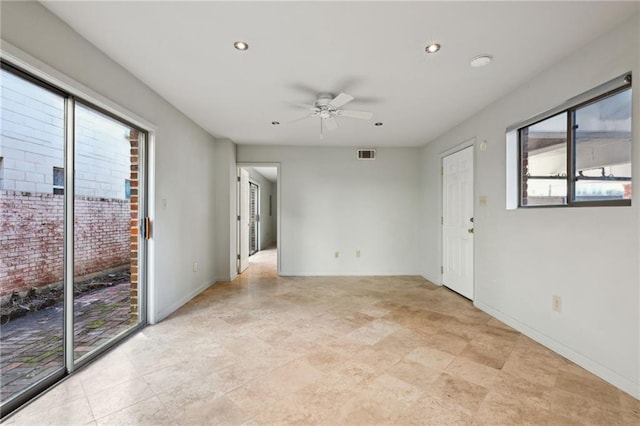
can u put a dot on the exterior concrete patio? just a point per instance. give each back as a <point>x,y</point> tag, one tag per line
<point>32,345</point>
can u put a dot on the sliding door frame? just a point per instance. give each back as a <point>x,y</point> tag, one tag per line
<point>23,65</point>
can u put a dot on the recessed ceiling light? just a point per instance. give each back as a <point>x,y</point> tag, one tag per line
<point>432,48</point>
<point>275,123</point>
<point>379,123</point>
<point>241,45</point>
<point>481,61</point>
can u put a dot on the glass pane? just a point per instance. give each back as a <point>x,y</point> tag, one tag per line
<point>58,176</point>
<point>253,218</point>
<point>543,156</point>
<point>31,234</point>
<point>106,230</point>
<point>603,149</point>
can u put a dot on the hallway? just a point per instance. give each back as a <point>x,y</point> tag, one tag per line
<point>264,263</point>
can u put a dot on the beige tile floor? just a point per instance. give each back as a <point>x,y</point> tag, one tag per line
<point>333,351</point>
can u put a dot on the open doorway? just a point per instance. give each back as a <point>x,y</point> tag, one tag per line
<point>257,203</point>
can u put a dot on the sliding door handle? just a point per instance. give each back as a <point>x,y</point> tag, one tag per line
<point>147,228</point>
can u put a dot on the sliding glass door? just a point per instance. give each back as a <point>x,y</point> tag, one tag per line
<point>72,201</point>
<point>31,234</point>
<point>105,277</point>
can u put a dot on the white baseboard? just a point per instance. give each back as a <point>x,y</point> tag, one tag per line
<point>594,367</point>
<point>345,274</point>
<point>436,281</point>
<point>231,278</point>
<point>176,305</point>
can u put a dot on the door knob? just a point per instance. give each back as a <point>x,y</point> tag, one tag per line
<point>470,230</point>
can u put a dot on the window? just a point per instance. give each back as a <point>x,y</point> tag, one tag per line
<point>581,155</point>
<point>58,180</point>
<point>543,161</point>
<point>127,189</point>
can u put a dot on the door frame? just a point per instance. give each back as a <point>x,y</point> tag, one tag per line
<point>240,165</point>
<point>441,156</point>
<point>243,220</point>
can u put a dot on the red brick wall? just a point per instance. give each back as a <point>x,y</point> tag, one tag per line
<point>134,137</point>
<point>31,238</point>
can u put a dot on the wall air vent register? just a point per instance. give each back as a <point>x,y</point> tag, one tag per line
<point>366,154</point>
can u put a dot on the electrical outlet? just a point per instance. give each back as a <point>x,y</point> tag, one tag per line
<point>357,253</point>
<point>556,303</point>
<point>337,254</point>
<point>195,266</point>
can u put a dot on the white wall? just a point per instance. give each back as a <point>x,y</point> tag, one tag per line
<point>588,256</point>
<point>184,230</point>
<point>267,234</point>
<point>332,202</point>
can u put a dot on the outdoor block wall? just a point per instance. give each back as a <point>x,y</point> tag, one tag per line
<point>32,143</point>
<point>31,238</point>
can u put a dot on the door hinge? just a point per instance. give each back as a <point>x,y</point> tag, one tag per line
<point>441,220</point>
<point>441,171</point>
<point>238,218</point>
<point>238,257</point>
<point>442,269</point>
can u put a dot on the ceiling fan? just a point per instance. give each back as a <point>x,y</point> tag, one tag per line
<point>327,107</point>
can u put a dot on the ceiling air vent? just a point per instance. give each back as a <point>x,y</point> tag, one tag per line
<point>366,154</point>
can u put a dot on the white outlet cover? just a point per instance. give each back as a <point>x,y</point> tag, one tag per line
<point>556,303</point>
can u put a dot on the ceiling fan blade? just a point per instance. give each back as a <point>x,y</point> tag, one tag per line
<point>362,115</point>
<point>331,123</point>
<point>340,100</point>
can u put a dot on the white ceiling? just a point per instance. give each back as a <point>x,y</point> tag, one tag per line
<point>270,173</point>
<point>371,50</point>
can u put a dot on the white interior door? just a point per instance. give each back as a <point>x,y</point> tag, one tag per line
<point>244,221</point>
<point>457,222</point>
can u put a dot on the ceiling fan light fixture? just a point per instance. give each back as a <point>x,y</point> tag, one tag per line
<point>432,48</point>
<point>241,45</point>
<point>328,108</point>
<point>480,61</point>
